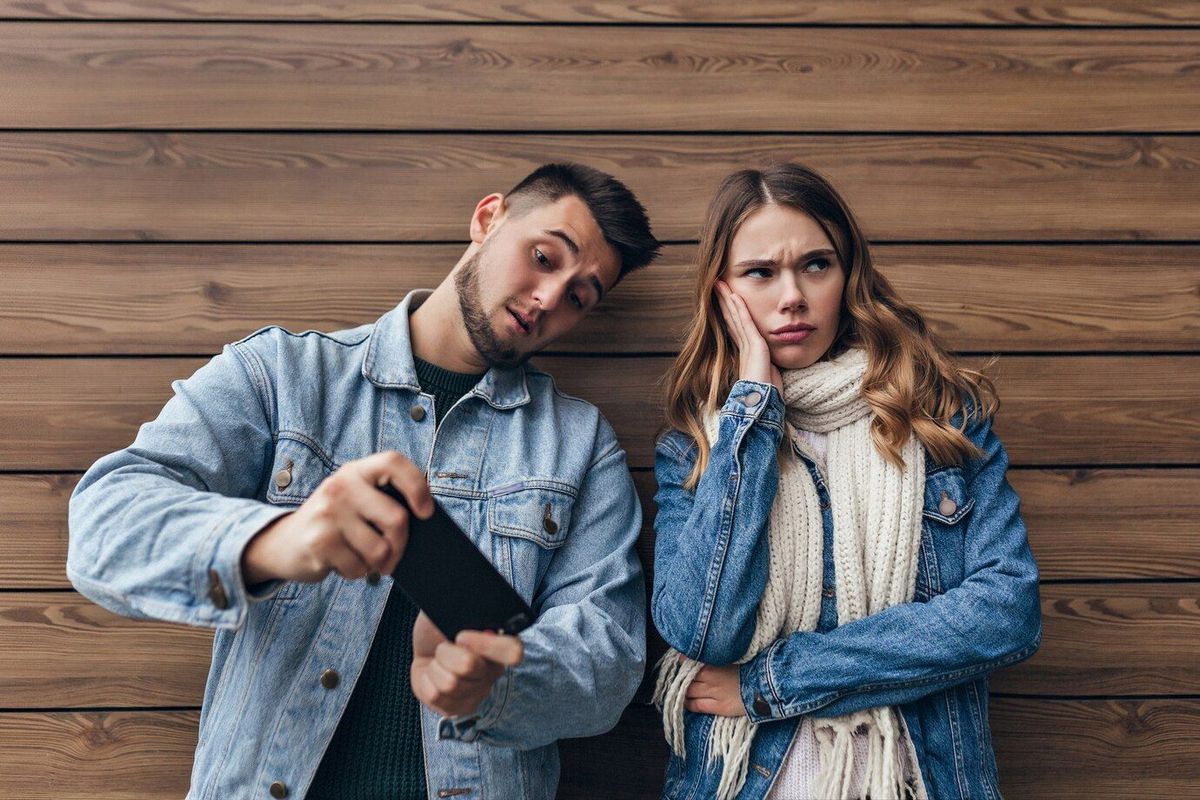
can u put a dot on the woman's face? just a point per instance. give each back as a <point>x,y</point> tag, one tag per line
<point>785,268</point>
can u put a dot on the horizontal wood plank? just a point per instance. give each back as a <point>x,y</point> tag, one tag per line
<point>1107,750</point>
<point>418,187</point>
<point>1086,524</point>
<point>58,414</point>
<point>1098,640</point>
<point>1113,639</point>
<point>97,756</point>
<point>757,12</point>
<point>65,651</point>
<point>190,299</point>
<point>415,77</point>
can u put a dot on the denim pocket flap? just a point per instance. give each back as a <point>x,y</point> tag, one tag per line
<point>298,470</point>
<point>946,498</point>
<point>539,513</point>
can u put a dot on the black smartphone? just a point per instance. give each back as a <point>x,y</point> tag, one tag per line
<point>446,576</point>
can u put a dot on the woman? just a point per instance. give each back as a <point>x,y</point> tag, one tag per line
<point>840,560</point>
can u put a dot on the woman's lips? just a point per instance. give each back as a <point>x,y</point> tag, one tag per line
<point>794,337</point>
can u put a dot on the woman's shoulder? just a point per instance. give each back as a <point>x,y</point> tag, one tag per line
<point>676,444</point>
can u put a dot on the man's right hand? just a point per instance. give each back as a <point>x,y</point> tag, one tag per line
<point>332,530</point>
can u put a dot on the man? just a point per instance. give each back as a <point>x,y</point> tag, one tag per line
<point>250,505</point>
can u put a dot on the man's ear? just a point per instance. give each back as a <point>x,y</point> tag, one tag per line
<point>488,214</point>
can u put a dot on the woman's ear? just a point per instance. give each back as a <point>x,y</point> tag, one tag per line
<point>488,214</point>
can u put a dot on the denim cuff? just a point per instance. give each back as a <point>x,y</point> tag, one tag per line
<point>468,727</point>
<point>759,695</point>
<point>761,402</point>
<point>221,593</point>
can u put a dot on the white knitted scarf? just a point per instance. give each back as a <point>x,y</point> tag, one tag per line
<point>876,510</point>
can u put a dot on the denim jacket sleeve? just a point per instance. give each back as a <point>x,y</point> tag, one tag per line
<point>157,529</point>
<point>586,653</point>
<point>991,620</point>
<point>710,554</point>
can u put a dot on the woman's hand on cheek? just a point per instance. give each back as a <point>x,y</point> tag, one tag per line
<point>716,690</point>
<point>754,356</point>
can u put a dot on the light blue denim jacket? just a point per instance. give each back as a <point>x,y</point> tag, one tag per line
<point>976,606</point>
<point>157,530</point>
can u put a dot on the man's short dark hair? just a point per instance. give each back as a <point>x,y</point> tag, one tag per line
<point>621,218</point>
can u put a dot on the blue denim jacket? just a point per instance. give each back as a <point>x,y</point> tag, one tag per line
<point>976,606</point>
<point>157,530</point>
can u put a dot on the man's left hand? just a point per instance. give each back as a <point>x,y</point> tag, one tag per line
<point>453,678</point>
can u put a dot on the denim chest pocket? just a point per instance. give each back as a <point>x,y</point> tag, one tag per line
<point>944,518</point>
<point>528,524</point>
<point>538,511</point>
<point>298,469</point>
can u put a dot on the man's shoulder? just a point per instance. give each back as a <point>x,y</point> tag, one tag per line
<point>275,345</point>
<point>567,410</point>
<point>279,336</point>
<point>544,388</point>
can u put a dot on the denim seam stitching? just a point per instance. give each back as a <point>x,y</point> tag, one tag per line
<point>724,536</point>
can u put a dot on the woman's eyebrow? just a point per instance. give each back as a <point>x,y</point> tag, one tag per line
<point>771,262</point>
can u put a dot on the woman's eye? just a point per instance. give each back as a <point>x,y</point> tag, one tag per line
<point>541,257</point>
<point>759,272</point>
<point>575,301</point>
<point>820,263</point>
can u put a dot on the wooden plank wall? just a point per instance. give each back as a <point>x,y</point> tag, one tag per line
<point>175,175</point>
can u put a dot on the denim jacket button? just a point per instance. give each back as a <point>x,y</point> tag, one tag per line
<point>279,789</point>
<point>761,707</point>
<point>330,679</point>
<point>283,478</point>
<point>752,399</point>
<point>417,413</point>
<point>216,592</point>
<point>947,506</point>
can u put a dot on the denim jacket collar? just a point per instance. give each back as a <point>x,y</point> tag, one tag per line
<point>389,359</point>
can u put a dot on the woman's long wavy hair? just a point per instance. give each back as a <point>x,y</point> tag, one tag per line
<point>912,384</point>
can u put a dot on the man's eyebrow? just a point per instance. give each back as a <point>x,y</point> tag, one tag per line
<point>574,248</point>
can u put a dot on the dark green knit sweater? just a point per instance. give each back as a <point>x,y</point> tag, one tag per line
<point>376,753</point>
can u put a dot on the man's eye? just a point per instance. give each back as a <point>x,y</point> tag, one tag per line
<point>575,301</point>
<point>541,257</point>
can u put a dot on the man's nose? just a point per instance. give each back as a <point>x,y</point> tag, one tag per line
<point>548,295</point>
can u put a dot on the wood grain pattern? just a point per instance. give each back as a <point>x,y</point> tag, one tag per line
<point>757,12</point>
<point>415,77</point>
<point>64,414</point>
<point>414,187</point>
<point>1098,639</point>
<point>191,299</point>
<point>1045,749</point>
<point>1113,639</point>
<point>62,650</point>
<point>106,756</point>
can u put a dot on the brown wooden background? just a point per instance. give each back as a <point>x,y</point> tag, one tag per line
<point>175,175</point>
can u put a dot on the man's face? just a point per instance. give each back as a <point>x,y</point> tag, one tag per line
<point>533,278</point>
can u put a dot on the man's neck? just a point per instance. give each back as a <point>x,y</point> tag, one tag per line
<point>438,335</point>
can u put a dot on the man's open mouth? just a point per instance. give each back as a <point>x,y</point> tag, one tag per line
<point>520,320</point>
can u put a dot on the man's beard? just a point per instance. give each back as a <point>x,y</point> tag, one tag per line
<point>495,352</point>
